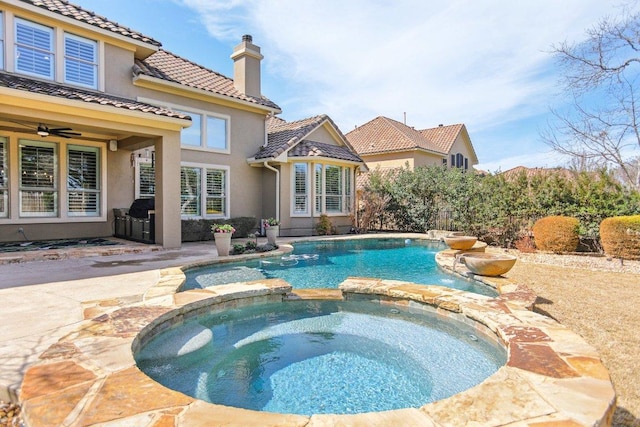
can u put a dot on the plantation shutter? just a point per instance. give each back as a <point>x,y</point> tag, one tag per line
<point>300,188</point>
<point>347,189</point>
<point>83,183</point>
<point>190,191</point>
<point>34,49</point>
<point>80,63</point>
<point>318,188</point>
<point>216,197</point>
<point>38,179</point>
<point>147,180</point>
<point>333,188</point>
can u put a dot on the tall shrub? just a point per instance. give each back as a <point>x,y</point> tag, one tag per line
<point>556,234</point>
<point>620,236</point>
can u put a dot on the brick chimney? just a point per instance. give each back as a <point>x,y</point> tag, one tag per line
<point>246,67</point>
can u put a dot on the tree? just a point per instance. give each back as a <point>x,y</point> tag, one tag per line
<point>601,76</point>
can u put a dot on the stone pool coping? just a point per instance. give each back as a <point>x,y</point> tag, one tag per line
<point>89,376</point>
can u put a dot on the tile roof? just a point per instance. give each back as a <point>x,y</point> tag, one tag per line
<point>518,171</point>
<point>443,137</point>
<point>73,11</point>
<point>283,136</point>
<point>167,66</point>
<point>62,91</point>
<point>382,135</point>
<point>308,148</point>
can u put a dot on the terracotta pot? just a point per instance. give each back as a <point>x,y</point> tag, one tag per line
<point>272,233</point>
<point>223,243</point>
<point>460,242</point>
<point>485,264</point>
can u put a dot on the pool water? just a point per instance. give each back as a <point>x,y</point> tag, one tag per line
<point>317,357</point>
<point>327,263</point>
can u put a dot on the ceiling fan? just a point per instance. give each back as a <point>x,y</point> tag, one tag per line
<point>44,131</point>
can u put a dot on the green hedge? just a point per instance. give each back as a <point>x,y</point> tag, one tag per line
<point>194,230</point>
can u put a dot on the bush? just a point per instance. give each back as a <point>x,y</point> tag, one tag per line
<point>324,226</point>
<point>238,249</point>
<point>556,234</point>
<point>620,236</point>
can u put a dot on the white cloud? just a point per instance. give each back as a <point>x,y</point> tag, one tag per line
<point>481,63</point>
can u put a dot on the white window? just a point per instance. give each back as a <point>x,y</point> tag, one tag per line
<point>301,189</point>
<point>1,41</point>
<point>190,190</point>
<point>80,61</point>
<point>216,199</point>
<point>83,181</point>
<point>145,178</point>
<point>203,189</point>
<point>318,188</point>
<point>34,49</point>
<point>207,131</point>
<point>333,189</point>
<point>347,190</point>
<point>38,179</point>
<point>4,184</point>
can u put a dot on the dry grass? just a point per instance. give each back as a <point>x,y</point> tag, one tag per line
<point>604,308</point>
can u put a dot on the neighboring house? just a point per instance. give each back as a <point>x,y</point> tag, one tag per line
<point>313,172</point>
<point>386,144</point>
<point>94,115</point>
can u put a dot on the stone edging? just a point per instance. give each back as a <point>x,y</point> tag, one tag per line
<point>551,377</point>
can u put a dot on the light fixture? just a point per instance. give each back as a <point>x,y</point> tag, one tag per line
<point>43,131</point>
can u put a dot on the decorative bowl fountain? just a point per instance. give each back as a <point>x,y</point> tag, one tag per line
<point>460,242</point>
<point>486,264</point>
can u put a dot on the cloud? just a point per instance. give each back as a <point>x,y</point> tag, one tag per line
<point>484,63</point>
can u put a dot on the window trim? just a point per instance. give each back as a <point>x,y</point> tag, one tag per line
<point>61,164</point>
<point>2,41</point>
<point>54,189</point>
<point>306,194</point>
<point>98,172</point>
<point>312,194</point>
<point>203,190</point>
<point>5,172</point>
<point>95,65</point>
<point>52,47</point>
<point>138,162</point>
<point>204,114</point>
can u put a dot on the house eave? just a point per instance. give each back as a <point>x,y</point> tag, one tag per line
<point>16,101</point>
<point>154,83</point>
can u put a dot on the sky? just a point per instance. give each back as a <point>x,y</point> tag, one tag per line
<point>486,63</point>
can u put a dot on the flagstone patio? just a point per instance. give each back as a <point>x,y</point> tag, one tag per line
<point>552,376</point>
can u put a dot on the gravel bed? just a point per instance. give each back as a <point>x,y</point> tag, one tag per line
<point>594,262</point>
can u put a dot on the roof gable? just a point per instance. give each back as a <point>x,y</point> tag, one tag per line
<point>382,135</point>
<point>64,8</point>
<point>442,136</point>
<point>291,137</point>
<point>172,68</point>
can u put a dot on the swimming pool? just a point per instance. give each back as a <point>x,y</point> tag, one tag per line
<point>320,357</point>
<point>327,263</point>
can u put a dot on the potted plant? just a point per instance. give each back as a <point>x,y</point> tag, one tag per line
<point>272,227</point>
<point>222,235</point>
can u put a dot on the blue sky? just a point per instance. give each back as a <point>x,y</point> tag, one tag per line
<point>482,63</point>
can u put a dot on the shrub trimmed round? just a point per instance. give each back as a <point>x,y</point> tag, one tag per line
<point>620,236</point>
<point>556,234</point>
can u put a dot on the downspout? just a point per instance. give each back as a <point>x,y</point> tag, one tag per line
<point>268,166</point>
